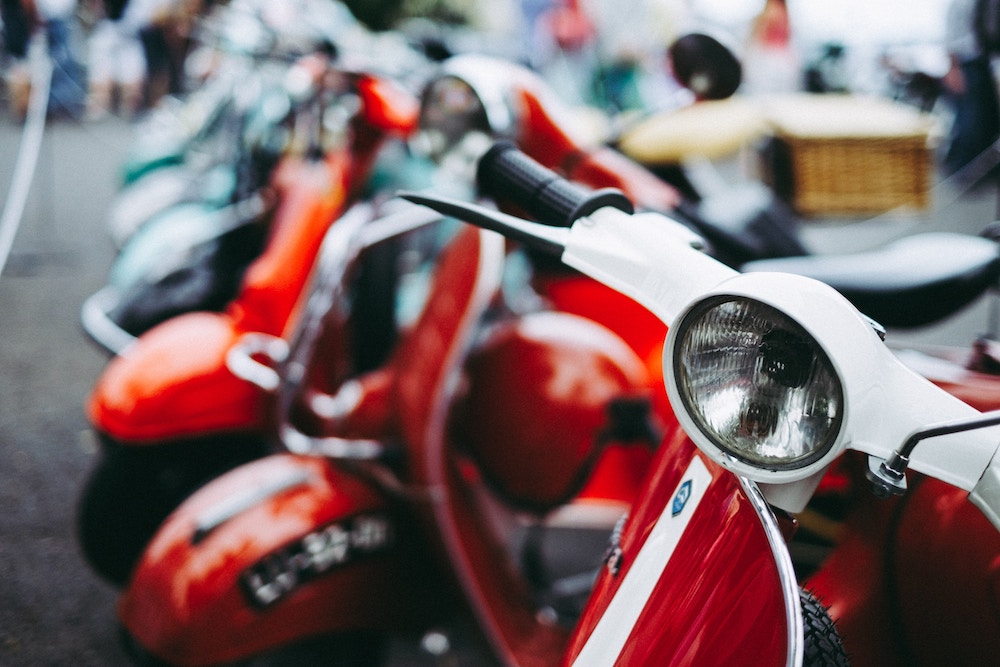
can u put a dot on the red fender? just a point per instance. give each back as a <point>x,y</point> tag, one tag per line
<point>915,580</point>
<point>278,550</point>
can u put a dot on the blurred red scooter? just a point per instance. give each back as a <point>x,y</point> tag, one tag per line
<point>171,416</point>
<point>168,413</point>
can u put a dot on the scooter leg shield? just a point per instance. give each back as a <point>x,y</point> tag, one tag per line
<point>279,550</point>
<point>174,383</point>
<point>915,579</point>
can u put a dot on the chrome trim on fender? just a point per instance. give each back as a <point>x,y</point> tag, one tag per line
<point>786,573</point>
<point>231,507</point>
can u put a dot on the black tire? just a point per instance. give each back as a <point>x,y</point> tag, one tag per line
<point>132,489</point>
<point>353,649</point>
<point>823,644</point>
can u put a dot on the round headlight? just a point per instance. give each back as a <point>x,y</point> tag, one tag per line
<point>756,383</point>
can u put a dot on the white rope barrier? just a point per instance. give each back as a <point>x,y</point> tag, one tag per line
<point>27,154</point>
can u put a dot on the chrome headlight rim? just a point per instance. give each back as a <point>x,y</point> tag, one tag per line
<point>689,413</point>
<point>450,109</point>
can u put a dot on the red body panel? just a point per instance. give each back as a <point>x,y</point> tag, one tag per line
<point>643,331</point>
<point>173,382</point>
<point>386,106</point>
<point>186,602</point>
<point>312,194</point>
<point>915,580</point>
<point>719,600</point>
<point>556,374</point>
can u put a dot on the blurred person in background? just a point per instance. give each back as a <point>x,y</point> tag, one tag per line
<point>771,63</point>
<point>19,19</point>
<point>116,59</point>
<point>57,18</point>
<point>971,87</point>
<point>561,47</point>
<point>165,34</point>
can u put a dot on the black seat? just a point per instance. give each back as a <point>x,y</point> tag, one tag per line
<point>911,282</point>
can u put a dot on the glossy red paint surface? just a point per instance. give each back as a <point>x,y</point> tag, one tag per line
<point>312,194</point>
<point>638,327</point>
<point>538,394</point>
<point>387,106</point>
<point>185,602</point>
<point>545,136</point>
<point>719,599</point>
<point>607,168</point>
<point>467,276</point>
<point>174,383</point>
<point>427,357</point>
<point>915,580</point>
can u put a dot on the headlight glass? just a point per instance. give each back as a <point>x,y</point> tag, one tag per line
<point>449,110</point>
<point>757,384</point>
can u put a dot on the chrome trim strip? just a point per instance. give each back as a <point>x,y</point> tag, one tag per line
<point>216,516</point>
<point>101,328</point>
<point>789,582</point>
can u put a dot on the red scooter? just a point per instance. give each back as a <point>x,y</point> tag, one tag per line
<point>412,476</point>
<point>912,581</point>
<point>414,458</point>
<point>168,413</point>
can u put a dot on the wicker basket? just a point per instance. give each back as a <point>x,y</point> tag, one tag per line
<point>848,155</point>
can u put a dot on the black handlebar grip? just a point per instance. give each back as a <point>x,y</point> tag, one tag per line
<point>504,172</point>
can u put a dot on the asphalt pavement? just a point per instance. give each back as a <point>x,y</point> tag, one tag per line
<point>53,610</point>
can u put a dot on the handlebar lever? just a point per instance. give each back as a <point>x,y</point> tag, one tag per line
<point>551,240</point>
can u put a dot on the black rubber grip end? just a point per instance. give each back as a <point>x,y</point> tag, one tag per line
<point>505,173</point>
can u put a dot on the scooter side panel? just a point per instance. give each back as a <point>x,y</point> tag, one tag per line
<point>387,106</point>
<point>281,549</point>
<point>947,573</point>
<point>312,194</point>
<point>174,383</point>
<point>915,580</point>
<point>718,598</point>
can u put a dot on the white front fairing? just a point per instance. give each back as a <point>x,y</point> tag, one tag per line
<point>647,257</point>
<point>654,260</point>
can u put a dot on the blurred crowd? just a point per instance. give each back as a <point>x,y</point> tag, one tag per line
<point>123,56</point>
<point>106,54</point>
